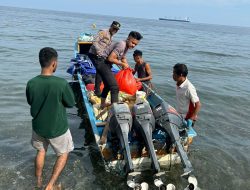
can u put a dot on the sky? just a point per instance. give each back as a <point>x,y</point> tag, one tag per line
<point>223,12</point>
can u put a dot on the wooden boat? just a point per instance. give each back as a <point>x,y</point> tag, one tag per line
<point>170,142</point>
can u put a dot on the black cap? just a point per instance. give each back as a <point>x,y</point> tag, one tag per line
<point>116,25</point>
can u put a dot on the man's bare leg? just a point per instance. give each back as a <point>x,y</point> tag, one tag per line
<point>58,167</point>
<point>39,163</point>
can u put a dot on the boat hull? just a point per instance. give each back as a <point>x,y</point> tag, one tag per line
<point>141,162</point>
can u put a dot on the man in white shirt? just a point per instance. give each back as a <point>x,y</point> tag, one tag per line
<point>188,103</point>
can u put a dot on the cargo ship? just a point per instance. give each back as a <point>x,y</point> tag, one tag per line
<point>176,20</point>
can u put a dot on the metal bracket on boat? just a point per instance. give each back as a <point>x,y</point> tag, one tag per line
<point>187,170</point>
<point>131,182</point>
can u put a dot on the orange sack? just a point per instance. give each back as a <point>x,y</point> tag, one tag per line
<point>126,81</point>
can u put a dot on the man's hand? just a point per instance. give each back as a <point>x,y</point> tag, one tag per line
<point>124,65</point>
<point>137,79</point>
<point>98,53</point>
<point>124,60</point>
<point>189,123</point>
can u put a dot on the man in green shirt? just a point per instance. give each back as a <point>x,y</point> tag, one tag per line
<point>48,97</point>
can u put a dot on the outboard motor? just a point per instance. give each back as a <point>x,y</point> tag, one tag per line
<point>120,124</point>
<point>166,117</point>
<point>144,121</point>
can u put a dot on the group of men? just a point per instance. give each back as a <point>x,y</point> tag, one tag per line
<point>103,53</point>
<point>49,95</point>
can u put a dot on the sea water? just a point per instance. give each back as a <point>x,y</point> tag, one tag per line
<point>218,59</point>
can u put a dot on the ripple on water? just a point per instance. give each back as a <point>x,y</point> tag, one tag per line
<point>218,61</point>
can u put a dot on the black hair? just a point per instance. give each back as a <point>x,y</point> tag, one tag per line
<point>135,35</point>
<point>137,53</point>
<point>180,69</point>
<point>46,55</point>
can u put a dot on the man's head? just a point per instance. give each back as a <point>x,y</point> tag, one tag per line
<point>180,72</point>
<point>138,56</point>
<point>114,27</point>
<point>48,58</point>
<point>133,39</point>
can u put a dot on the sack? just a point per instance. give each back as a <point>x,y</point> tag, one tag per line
<point>140,97</point>
<point>85,67</point>
<point>91,87</point>
<point>139,86</point>
<point>114,70</point>
<point>88,79</point>
<point>126,81</point>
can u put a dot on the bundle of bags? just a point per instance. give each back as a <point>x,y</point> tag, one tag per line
<point>126,81</point>
<point>128,93</point>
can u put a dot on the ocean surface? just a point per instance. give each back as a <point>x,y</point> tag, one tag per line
<point>218,58</point>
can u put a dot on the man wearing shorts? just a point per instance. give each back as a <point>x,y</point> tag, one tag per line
<point>48,97</point>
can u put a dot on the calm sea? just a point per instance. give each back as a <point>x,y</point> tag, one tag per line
<point>218,58</point>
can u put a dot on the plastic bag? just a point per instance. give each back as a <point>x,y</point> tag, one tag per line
<point>126,81</point>
<point>140,97</point>
<point>91,87</point>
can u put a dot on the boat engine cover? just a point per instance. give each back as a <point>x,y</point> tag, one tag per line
<point>164,113</point>
<point>119,114</point>
<point>143,114</point>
